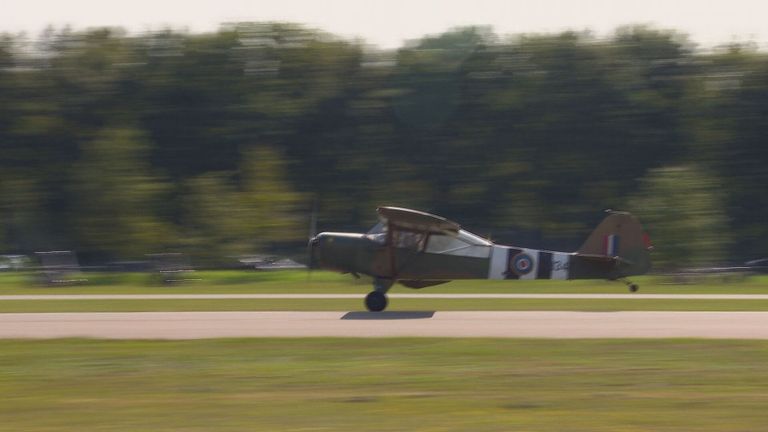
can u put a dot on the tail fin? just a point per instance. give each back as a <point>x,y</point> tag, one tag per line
<point>620,235</point>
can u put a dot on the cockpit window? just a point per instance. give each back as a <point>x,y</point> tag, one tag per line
<point>378,233</point>
<point>379,228</point>
<point>463,244</point>
<point>445,244</point>
<point>473,239</point>
<point>409,239</point>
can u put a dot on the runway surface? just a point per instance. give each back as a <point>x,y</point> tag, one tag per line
<point>539,324</point>
<point>361,295</point>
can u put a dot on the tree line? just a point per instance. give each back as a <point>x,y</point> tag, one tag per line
<point>218,144</point>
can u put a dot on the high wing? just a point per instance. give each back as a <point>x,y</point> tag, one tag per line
<point>417,221</point>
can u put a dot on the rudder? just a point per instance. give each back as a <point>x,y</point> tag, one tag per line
<point>620,235</point>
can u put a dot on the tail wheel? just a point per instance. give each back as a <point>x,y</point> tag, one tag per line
<point>376,301</point>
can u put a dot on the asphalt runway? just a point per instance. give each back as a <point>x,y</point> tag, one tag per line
<point>530,324</point>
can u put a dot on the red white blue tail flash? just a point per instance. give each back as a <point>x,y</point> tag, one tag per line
<point>611,245</point>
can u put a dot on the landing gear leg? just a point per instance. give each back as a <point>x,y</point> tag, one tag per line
<point>633,287</point>
<point>376,300</point>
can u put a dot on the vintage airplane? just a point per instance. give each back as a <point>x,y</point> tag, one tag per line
<point>419,249</point>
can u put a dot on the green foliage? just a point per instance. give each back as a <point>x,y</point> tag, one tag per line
<point>20,211</point>
<point>224,218</point>
<point>117,197</point>
<point>273,211</point>
<point>119,145</point>
<point>682,207</point>
<point>214,217</point>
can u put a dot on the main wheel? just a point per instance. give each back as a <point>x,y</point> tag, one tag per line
<point>633,287</point>
<point>376,301</point>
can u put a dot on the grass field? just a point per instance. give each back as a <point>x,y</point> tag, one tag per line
<point>244,282</point>
<point>326,282</point>
<point>595,305</point>
<point>383,385</point>
<point>290,282</point>
<point>380,384</point>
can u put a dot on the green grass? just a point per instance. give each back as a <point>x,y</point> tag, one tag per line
<point>384,385</point>
<point>195,282</point>
<point>244,282</point>
<point>596,305</point>
<point>326,282</point>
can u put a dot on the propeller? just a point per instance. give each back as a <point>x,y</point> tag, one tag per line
<point>312,234</point>
<point>313,221</point>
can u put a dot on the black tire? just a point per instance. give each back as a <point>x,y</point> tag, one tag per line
<point>633,287</point>
<point>376,301</point>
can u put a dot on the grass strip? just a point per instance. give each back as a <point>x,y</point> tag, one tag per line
<point>180,305</point>
<point>234,282</point>
<point>383,385</point>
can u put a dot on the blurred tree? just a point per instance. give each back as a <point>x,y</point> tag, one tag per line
<point>538,139</point>
<point>737,148</point>
<point>273,211</point>
<point>192,102</point>
<point>215,224</point>
<point>118,197</point>
<point>224,217</point>
<point>683,210</point>
<point>21,212</point>
<point>501,133</point>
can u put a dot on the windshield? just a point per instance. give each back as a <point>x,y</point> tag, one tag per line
<point>473,239</point>
<point>378,233</point>
<point>379,228</point>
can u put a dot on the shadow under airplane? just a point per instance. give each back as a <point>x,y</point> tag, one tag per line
<point>388,315</point>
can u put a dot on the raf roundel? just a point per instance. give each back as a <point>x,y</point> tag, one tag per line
<point>522,264</point>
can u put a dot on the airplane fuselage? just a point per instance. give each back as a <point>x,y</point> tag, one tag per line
<point>359,254</point>
<point>419,249</point>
